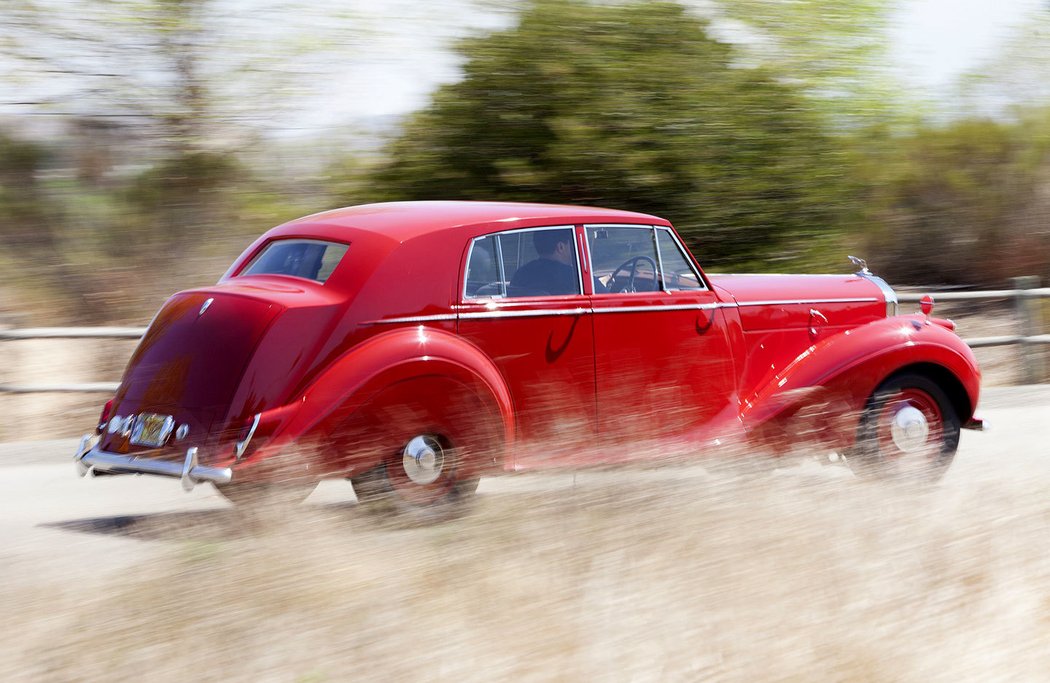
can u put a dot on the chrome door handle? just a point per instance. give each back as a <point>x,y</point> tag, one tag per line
<point>815,315</point>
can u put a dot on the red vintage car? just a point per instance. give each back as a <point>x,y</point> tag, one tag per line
<point>415,347</point>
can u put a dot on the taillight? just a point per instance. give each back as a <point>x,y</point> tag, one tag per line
<point>104,417</point>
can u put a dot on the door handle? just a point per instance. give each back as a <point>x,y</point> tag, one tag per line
<point>814,317</point>
<point>704,318</point>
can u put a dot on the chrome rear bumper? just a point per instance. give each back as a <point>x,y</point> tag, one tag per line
<point>88,458</point>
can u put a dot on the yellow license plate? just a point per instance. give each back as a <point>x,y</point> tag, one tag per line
<point>151,429</point>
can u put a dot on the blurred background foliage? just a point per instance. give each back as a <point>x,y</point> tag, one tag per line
<point>640,108</point>
<point>143,144</point>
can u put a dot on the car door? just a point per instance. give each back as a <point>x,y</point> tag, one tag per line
<point>528,312</point>
<point>662,358</point>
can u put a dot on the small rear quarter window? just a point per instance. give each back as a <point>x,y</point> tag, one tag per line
<point>311,259</point>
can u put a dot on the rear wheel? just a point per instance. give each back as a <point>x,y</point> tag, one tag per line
<point>426,476</point>
<point>909,430</point>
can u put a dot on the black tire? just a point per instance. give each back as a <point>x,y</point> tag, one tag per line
<point>411,492</point>
<point>909,431</point>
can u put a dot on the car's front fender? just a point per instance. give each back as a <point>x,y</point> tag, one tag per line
<point>840,373</point>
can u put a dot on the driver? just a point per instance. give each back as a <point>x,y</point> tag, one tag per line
<point>554,270</point>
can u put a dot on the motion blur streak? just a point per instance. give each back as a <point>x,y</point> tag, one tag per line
<point>677,573</point>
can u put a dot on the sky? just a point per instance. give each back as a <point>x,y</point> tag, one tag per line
<point>401,51</point>
<point>932,42</point>
<point>935,41</point>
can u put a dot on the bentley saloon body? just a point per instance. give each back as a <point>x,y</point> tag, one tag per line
<point>415,347</point>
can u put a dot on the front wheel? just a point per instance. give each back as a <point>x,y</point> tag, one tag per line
<point>909,430</point>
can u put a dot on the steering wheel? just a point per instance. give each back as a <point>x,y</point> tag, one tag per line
<point>631,263</point>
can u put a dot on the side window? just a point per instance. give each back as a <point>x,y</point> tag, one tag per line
<point>623,260</point>
<point>482,270</point>
<point>540,262</point>
<point>678,273</point>
<point>537,262</point>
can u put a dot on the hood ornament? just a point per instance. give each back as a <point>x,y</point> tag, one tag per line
<point>207,303</point>
<point>860,263</point>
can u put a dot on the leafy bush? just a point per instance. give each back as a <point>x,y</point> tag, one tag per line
<point>966,203</point>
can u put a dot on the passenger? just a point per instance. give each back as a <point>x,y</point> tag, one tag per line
<point>554,271</point>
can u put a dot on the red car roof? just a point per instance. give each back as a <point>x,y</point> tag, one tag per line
<point>405,220</point>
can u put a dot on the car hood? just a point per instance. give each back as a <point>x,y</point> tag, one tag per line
<point>767,301</point>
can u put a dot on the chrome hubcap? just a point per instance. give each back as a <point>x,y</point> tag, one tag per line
<point>423,459</point>
<point>910,429</point>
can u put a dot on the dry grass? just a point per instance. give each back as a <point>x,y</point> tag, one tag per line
<point>629,576</point>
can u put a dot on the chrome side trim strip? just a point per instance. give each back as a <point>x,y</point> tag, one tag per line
<point>480,315</point>
<point>673,307</point>
<point>713,274</point>
<point>188,470</point>
<point>502,312</point>
<point>414,319</point>
<point>805,302</point>
<point>507,304</point>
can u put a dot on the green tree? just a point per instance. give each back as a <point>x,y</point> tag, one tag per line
<point>963,203</point>
<point>31,227</point>
<point>836,51</point>
<point>24,220</point>
<point>630,105</point>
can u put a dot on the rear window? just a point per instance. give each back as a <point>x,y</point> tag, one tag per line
<point>310,259</point>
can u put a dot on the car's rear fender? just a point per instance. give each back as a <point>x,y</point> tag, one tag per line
<point>340,409</point>
<point>827,386</point>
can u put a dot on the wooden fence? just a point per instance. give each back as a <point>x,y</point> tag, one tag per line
<point>1024,297</point>
<point>1025,303</point>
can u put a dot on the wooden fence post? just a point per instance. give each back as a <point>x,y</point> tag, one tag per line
<point>1028,318</point>
<point>8,404</point>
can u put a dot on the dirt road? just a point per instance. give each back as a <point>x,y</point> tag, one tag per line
<point>671,574</point>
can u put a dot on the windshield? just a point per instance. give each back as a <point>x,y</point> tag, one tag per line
<point>310,259</point>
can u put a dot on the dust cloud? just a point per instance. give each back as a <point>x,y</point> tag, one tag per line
<point>662,574</point>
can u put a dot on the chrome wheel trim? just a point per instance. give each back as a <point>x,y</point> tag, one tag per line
<point>423,459</point>
<point>909,429</point>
